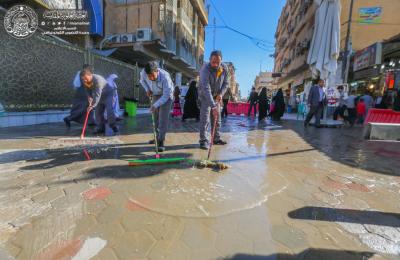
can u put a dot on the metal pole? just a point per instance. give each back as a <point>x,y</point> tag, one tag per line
<point>215,32</point>
<point>347,51</point>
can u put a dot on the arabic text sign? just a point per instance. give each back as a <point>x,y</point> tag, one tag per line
<point>64,22</point>
<point>368,57</point>
<point>370,15</point>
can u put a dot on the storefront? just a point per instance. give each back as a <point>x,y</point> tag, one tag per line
<point>367,74</point>
<point>391,65</point>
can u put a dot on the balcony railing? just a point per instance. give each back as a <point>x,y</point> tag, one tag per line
<point>202,12</point>
<point>185,20</point>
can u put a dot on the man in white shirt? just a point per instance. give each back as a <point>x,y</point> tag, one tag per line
<point>159,86</point>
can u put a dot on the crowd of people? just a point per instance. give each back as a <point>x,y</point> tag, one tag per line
<point>273,109</point>
<point>205,101</point>
<point>352,108</point>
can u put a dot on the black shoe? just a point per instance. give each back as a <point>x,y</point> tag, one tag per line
<point>219,142</point>
<point>99,132</point>
<point>115,129</point>
<point>204,145</point>
<point>161,147</point>
<point>152,142</point>
<point>67,122</point>
<point>305,124</point>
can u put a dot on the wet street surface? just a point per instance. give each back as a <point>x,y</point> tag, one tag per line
<point>290,193</point>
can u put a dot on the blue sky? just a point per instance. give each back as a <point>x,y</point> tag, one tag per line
<point>257,18</point>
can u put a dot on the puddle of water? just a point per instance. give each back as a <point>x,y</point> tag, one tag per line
<point>200,193</point>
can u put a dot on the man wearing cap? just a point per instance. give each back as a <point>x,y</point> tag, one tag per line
<point>159,86</point>
<point>214,81</point>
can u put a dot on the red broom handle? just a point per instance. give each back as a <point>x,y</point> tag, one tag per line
<point>213,134</point>
<point>85,124</point>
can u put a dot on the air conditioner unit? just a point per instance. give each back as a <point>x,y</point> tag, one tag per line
<point>115,39</point>
<point>127,37</point>
<point>143,34</point>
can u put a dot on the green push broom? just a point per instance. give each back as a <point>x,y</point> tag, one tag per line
<point>157,160</point>
<point>200,164</point>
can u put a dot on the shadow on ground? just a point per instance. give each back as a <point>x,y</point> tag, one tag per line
<point>347,215</point>
<point>310,254</point>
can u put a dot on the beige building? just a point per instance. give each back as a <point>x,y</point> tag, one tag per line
<point>264,79</point>
<point>233,85</point>
<point>295,31</point>
<point>168,30</point>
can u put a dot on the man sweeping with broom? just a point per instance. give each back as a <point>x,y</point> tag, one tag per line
<point>214,81</point>
<point>100,97</point>
<point>159,87</point>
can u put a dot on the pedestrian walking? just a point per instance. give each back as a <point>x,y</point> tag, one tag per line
<point>191,106</point>
<point>341,108</point>
<point>277,106</point>
<point>101,98</point>
<point>383,102</point>
<point>351,108</point>
<point>253,100</point>
<point>79,103</point>
<point>111,82</point>
<point>214,80</point>
<point>361,111</point>
<point>263,104</point>
<point>368,100</point>
<point>225,100</point>
<point>316,101</point>
<point>159,87</point>
<point>396,103</point>
<point>177,111</point>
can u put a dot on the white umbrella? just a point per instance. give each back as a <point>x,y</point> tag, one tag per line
<point>325,45</point>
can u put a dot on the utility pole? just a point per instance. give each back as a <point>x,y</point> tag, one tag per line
<point>215,32</point>
<point>348,44</point>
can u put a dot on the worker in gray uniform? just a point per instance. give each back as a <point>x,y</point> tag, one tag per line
<point>159,87</point>
<point>214,81</point>
<point>101,98</point>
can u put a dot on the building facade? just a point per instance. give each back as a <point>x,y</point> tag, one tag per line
<point>372,21</point>
<point>171,31</point>
<point>264,80</point>
<point>233,85</point>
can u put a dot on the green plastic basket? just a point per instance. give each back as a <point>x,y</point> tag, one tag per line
<point>131,108</point>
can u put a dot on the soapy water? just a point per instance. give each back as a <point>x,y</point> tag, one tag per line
<point>86,143</point>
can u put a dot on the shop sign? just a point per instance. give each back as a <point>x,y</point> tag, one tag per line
<point>368,73</point>
<point>331,96</point>
<point>368,57</point>
<point>370,15</point>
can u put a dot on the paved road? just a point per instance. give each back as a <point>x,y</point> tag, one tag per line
<point>290,193</point>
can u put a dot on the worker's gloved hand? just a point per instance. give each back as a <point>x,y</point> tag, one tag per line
<point>90,101</point>
<point>149,93</point>
<point>214,112</point>
<point>90,108</point>
<point>153,109</point>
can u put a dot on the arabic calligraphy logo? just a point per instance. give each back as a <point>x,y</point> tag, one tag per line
<point>21,21</point>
